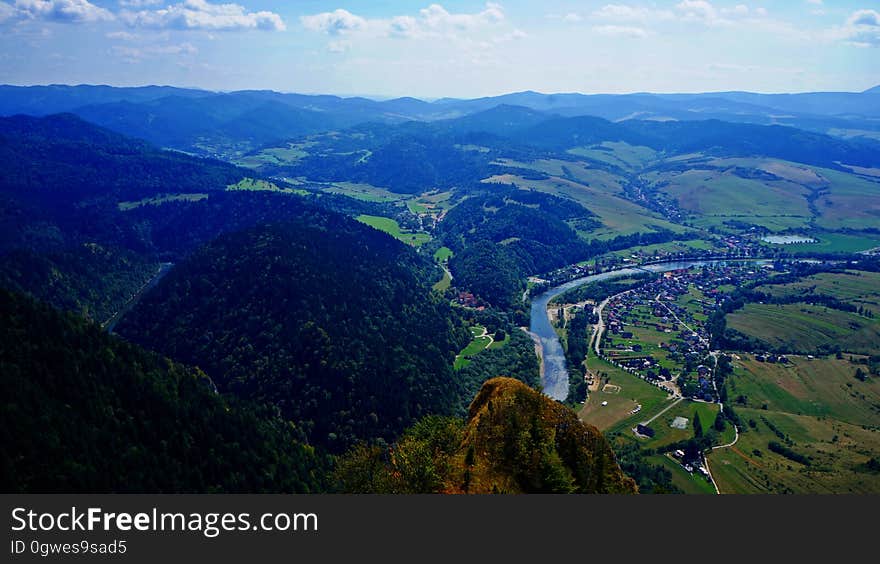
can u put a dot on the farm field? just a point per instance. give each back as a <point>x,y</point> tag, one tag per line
<point>443,254</point>
<point>859,288</point>
<point>687,482</point>
<point>365,192</point>
<point>618,153</point>
<point>666,434</point>
<point>289,154</point>
<point>851,202</point>
<point>822,387</point>
<point>391,227</point>
<point>836,243</point>
<point>618,216</point>
<point>720,193</point>
<point>803,328</point>
<point>837,453</point>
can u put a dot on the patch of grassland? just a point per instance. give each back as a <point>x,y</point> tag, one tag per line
<point>804,328</point>
<point>712,192</point>
<point>836,243</point>
<point>444,283</point>
<point>619,154</point>
<point>161,199</point>
<point>632,392</point>
<point>391,227</point>
<point>257,185</point>
<point>860,288</point>
<point>837,453</point>
<point>822,387</point>
<point>364,192</point>
<point>443,254</point>
<point>617,215</point>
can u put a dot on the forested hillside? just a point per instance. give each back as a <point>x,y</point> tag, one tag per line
<point>86,412</point>
<point>325,317</point>
<point>515,440</point>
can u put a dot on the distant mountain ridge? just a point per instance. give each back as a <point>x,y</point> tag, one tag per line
<point>229,123</point>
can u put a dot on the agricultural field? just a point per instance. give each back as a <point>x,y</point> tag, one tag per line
<point>837,456</point>
<point>806,329</point>
<point>665,433</point>
<point>836,243</point>
<point>391,227</point>
<point>364,192</point>
<point>705,192</point>
<point>851,202</point>
<point>693,484</point>
<point>618,154</point>
<point>278,156</point>
<point>821,387</point>
<point>859,288</point>
<point>430,203</point>
<point>617,215</point>
<point>442,254</point>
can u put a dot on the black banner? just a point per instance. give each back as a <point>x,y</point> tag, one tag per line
<point>327,528</point>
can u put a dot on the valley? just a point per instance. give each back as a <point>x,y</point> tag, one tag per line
<point>703,292</point>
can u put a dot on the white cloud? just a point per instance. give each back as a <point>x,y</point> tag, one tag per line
<point>862,29</point>
<point>62,11</point>
<point>433,21</point>
<point>336,22</point>
<point>139,3</point>
<point>697,10</point>
<point>620,31</point>
<point>572,18</point>
<point>203,15</point>
<point>627,13</point>
<point>815,2</point>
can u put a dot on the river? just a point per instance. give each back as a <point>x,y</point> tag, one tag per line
<point>555,371</point>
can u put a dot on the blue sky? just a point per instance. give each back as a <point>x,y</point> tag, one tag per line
<point>450,48</point>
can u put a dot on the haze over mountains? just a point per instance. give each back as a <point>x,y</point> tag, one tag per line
<point>221,123</point>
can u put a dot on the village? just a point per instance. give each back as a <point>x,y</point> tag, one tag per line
<point>657,331</point>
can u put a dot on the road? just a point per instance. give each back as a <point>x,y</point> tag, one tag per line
<point>111,322</point>
<point>599,328</point>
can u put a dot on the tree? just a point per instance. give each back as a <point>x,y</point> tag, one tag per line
<point>860,375</point>
<point>698,426</point>
<point>719,422</point>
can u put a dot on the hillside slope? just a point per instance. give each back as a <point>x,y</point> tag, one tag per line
<point>325,317</point>
<point>516,440</point>
<point>86,412</point>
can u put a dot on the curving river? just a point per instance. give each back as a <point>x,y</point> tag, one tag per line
<point>555,371</point>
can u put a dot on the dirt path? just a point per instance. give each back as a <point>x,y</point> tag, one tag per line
<point>665,409</point>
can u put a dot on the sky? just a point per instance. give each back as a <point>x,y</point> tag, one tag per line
<point>456,48</point>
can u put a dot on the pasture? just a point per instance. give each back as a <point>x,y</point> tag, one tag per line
<point>803,328</point>
<point>837,453</point>
<point>391,227</point>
